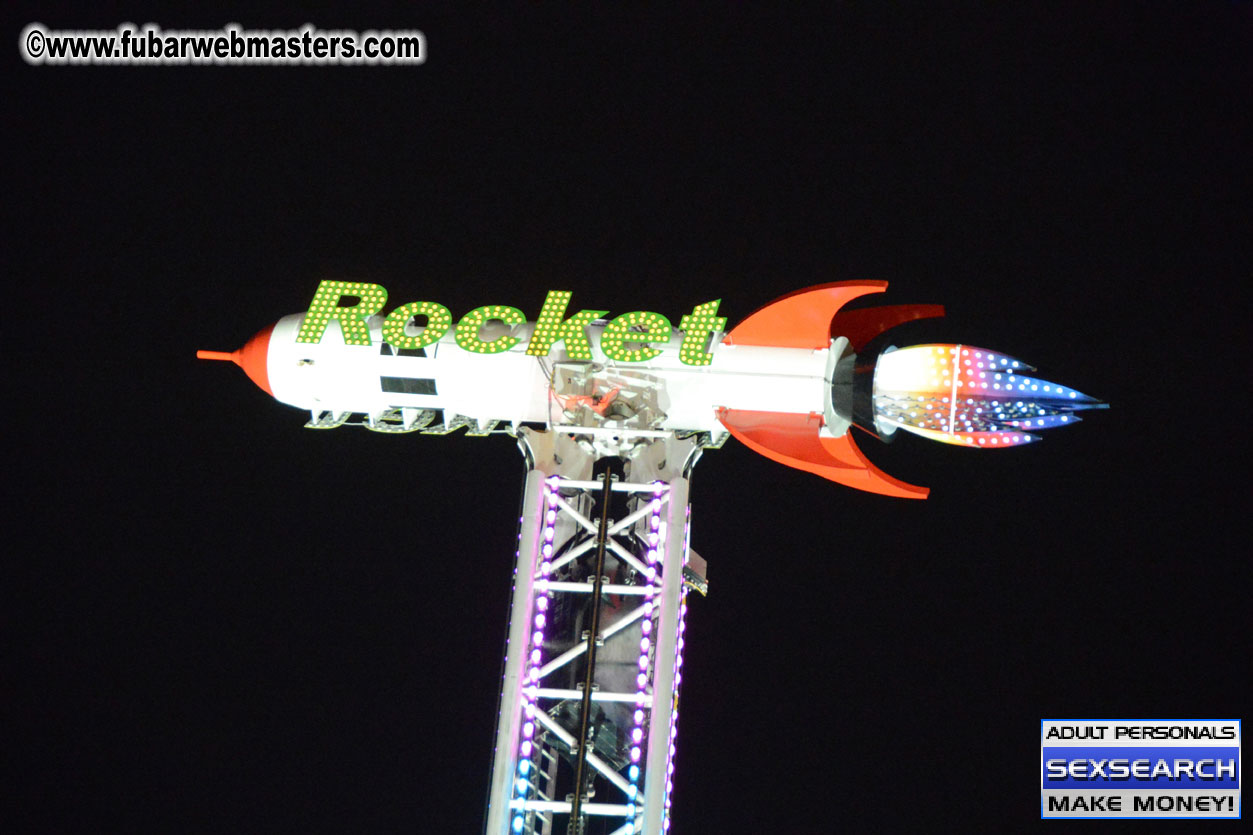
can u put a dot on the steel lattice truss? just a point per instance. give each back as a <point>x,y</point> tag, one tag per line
<point>572,758</point>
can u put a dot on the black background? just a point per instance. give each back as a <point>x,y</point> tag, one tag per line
<point>221,621</point>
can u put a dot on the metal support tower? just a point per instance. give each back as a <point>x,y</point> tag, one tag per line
<point>585,739</point>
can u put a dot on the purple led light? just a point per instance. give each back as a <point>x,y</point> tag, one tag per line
<point>530,690</point>
<point>674,715</point>
<point>644,660</point>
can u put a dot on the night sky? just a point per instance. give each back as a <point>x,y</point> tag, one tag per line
<point>221,621</point>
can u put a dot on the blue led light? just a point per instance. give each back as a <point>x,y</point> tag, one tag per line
<point>974,409</point>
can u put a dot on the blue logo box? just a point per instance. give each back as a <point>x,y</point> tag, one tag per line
<point>1140,768</point>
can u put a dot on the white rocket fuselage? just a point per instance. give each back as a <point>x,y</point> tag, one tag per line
<point>513,387</point>
<point>788,381</point>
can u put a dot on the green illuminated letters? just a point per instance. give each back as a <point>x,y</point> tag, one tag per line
<point>326,306</point>
<point>697,326</point>
<point>438,320</point>
<point>467,332</point>
<point>641,328</point>
<point>655,328</point>
<point>551,329</point>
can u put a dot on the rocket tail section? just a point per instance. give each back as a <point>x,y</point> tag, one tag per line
<point>801,319</point>
<point>794,440</point>
<point>810,318</point>
<point>862,326</point>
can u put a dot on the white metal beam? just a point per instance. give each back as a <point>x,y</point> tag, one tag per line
<point>594,761</point>
<point>578,649</point>
<point>597,696</point>
<point>586,588</point>
<point>508,723</point>
<point>612,810</point>
<point>658,755</point>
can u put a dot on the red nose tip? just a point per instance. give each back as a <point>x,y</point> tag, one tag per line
<point>251,358</point>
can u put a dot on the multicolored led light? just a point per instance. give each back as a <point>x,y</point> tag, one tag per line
<point>534,650</point>
<point>674,713</point>
<point>678,678</point>
<point>959,394</point>
<point>643,709</point>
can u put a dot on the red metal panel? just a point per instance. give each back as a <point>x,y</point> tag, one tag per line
<point>792,439</point>
<point>861,326</point>
<point>801,319</point>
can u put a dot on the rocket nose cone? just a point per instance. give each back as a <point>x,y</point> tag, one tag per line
<point>253,358</point>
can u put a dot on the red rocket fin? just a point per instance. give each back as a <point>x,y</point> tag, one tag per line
<point>793,439</point>
<point>861,326</point>
<point>873,479</point>
<point>801,319</point>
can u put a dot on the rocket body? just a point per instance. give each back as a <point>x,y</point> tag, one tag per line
<point>790,381</point>
<point>513,387</point>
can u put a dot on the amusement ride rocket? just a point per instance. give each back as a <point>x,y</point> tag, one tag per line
<point>611,416</point>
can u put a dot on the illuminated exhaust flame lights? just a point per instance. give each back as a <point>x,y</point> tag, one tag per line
<point>960,394</point>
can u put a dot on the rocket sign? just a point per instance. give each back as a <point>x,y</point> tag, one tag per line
<point>640,327</point>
